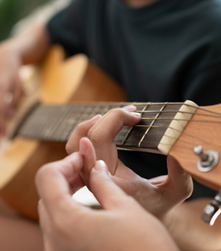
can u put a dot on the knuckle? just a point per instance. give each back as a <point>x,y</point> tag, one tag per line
<point>78,133</point>
<point>41,173</point>
<point>81,128</point>
<point>96,137</point>
<point>118,112</point>
<point>69,147</point>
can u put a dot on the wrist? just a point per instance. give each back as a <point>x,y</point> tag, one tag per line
<point>10,54</point>
<point>30,46</point>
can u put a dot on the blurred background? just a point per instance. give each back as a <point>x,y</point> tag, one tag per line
<point>12,11</point>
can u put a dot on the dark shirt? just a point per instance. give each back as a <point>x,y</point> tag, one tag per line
<point>166,51</point>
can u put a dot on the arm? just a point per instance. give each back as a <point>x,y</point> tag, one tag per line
<point>122,224</point>
<point>29,47</point>
<point>199,235</point>
<point>26,48</point>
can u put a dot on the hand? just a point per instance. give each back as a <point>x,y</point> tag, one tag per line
<point>158,195</point>
<point>10,83</point>
<point>67,225</point>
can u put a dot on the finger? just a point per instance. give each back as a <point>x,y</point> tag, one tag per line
<point>52,182</point>
<point>8,108</point>
<point>4,104</point>
<point>45,224</point>
<point>80,132</point>
<point>109,195</point>
<point>89,157</point>
<point>178,180</point>
<point>2,125</point>
<point>43,217</point>
<point>113,121</point>
<point>17,92</point>
<point>102,134</point>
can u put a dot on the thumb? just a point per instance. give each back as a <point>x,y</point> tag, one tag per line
<point>108,194</point>
<point>179,181</point>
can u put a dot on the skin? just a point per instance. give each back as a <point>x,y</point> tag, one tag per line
<point>29,47</point>
<point>102,131</point>
<point>166,193</point>
<point>67,225</point>
<point>182,221</point>
<point>26,48</point>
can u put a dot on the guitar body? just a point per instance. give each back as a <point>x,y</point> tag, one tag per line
<point>168,128</point>
<point>58,81</point>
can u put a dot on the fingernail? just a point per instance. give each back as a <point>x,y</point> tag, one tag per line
<point>100,166</point>
<point>130,108</point>
<point>96,117</point>
<point>82,148</point>
<point>136,114</point>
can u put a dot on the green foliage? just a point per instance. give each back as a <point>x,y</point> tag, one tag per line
<point>13,10</point>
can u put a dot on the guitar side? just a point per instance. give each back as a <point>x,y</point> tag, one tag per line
<point>62,81</point>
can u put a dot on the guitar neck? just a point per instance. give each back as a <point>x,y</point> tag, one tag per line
<point>57,122</point>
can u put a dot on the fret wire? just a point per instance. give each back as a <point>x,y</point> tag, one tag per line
<point>184,112</point>
<point>64,123</point>
<point>186,142</point>
<point>171,104</point>
<point>159,127</point>
<point>129,131</point>
<point>91,115</point>
<point>39,128</point>
<point>67,125</point>
<point>156,103</point>
<point>195,120</point>
<point>142,139</point>
<point>181,103</point>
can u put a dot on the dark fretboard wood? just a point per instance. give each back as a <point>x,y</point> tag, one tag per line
<point>57,122</point>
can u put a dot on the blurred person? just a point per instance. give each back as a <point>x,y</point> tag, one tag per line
<point>167,50</point>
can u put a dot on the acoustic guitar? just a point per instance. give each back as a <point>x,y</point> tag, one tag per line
<point>65,97</point>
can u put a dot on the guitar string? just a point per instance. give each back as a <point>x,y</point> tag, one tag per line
<point>213,113</point>
<point>181,132</point>
<point>170,111</point>
<point>160,127</point>
<point>186,120</point>
<point>184,141</point>
<point>154,104</point>
<point>120,105</point>
<point>182,112</point>
<point>196,120</point>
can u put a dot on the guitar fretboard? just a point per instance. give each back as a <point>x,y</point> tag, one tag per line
<point>57,122</point>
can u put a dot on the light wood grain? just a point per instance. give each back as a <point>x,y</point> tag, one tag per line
<point>59,81</point>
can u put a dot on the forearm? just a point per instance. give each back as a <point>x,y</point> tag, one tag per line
<point>30,46</point>
<point>190,232</point>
